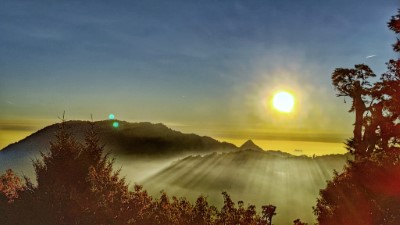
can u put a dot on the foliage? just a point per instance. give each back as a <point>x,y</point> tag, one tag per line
<point>76,184</point>
<point>376,105</point>
<point>298,222</point>
<point>368,191</point>
<point>10,185</point>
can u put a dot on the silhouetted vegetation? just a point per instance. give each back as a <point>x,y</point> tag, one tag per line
<point>76,184</point>
<point>298,222</point>
<point>368,191</point>
<point>289,182</point>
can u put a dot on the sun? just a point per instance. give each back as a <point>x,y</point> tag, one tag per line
<point>283,102</point>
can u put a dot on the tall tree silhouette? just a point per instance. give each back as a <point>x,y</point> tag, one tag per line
<point>354,83</point>
<point>76,184</point>
<point>368,191</point>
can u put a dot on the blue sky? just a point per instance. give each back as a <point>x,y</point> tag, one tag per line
<point>201,66</point>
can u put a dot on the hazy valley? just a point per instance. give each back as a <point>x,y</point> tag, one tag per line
<point>188,165</point>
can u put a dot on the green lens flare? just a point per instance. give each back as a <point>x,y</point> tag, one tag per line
<point>111,116</point>
<point>116,124</point>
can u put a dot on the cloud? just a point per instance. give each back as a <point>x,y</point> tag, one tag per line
<point>327,137</point>
<point>370,56</point>
<point>19,125</point>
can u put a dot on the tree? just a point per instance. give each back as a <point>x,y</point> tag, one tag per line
<point>10,186</point>
<point>377,106</point>
<point>298,222</point>
<point>228,214</point>
<point>203,214</point>
<point>354,83</point>
<point>268,211</point>
<point>368,191</point>
<point>394,25</point>
<point>76,184</point>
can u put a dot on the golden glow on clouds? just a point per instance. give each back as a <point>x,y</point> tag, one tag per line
<point>283,101</point>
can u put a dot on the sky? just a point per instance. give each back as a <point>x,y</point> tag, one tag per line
<point>205,67</point>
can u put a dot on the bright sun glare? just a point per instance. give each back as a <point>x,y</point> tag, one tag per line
<point>283,101</point>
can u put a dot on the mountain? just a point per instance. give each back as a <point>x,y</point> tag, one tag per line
<point>183,165</point>
<point>292,183</point>
<point>128,139</point>
<point>249,145</point>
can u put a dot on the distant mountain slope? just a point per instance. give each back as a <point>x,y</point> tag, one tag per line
<point>249,145</point>
<point>138,139</point>
<point>290,182</point>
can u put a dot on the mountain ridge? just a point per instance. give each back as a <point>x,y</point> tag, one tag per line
<point>141,139</point>
<point>132,130</point>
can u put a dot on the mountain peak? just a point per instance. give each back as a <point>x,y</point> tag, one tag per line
<point>249,145</point>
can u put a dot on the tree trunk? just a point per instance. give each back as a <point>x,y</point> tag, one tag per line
<point>359,109</point>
